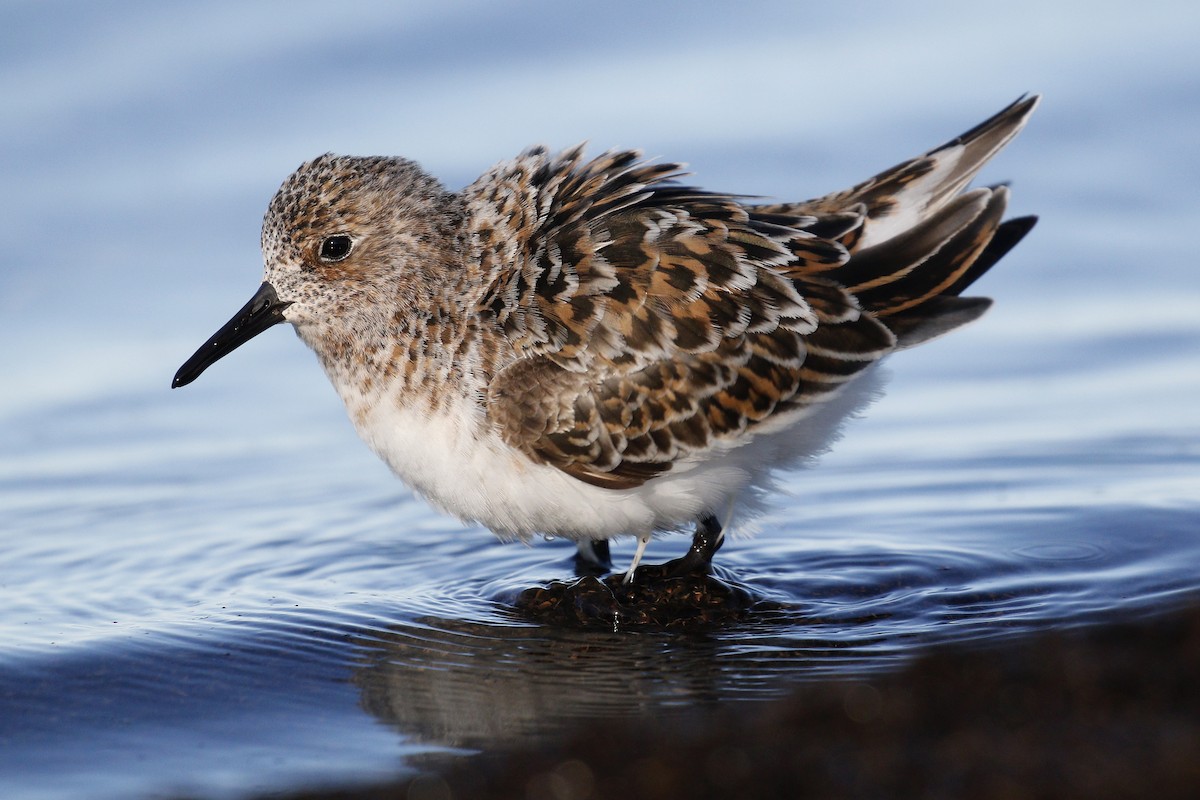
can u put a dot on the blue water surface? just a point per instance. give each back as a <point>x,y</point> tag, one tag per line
<point>220,592</point>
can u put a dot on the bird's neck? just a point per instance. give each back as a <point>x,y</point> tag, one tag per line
<point>426,350</point>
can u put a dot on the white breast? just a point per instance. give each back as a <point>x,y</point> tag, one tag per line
<point>452,459</point>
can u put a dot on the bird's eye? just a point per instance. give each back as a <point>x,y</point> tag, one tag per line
<point>335,248</point>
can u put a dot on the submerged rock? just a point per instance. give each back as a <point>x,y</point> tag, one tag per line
<point>651,601</point>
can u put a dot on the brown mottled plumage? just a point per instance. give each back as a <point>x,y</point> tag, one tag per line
<point>586,348</point>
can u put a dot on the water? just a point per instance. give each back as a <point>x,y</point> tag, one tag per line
<point>219,591</point>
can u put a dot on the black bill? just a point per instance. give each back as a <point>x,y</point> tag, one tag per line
<point>264,310</point>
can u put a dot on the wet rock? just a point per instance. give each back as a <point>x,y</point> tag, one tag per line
<point>652,600</point>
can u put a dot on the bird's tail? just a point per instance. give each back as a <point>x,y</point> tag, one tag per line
<point>916,237</point>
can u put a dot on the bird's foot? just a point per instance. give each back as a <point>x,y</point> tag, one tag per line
<point>706,541</point>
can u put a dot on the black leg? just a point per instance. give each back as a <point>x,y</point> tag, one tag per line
<point>706,541</point>
<point>592,556</point>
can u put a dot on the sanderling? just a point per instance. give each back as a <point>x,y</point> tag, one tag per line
<point>588,349</point>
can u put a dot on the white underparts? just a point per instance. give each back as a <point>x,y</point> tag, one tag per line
<point>451,458</point>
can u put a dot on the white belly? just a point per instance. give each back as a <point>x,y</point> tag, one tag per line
<point>452,459</point>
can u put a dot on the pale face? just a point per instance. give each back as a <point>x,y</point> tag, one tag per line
<point>345,243</point>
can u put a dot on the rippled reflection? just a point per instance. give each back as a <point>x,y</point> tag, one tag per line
<point>485,679</point>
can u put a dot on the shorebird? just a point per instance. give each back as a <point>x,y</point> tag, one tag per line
<point>586,348</point>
